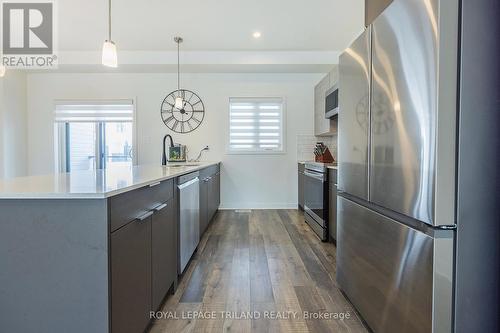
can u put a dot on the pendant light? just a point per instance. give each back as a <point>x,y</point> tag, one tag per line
<point>179,100</point>
<point>109,55</point>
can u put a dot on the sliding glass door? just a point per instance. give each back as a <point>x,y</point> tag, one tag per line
<point>80,147</point>
<point>94,135</point>
<point>91,146</point>
<point>117,143</point>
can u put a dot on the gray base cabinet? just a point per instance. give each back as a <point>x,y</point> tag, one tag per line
<point>204,205</point>
<point>143,256</point>
<point>214,195</point>
<point>209,195</point>
<point>301,185</point>
<point>164,254</point>
<point>131,277</point>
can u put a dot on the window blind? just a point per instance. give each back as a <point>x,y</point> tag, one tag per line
<point>256,124</point>
<point>94,111</point>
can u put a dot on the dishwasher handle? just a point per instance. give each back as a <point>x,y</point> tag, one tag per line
<point>315,175</point>
<point>189,183</point>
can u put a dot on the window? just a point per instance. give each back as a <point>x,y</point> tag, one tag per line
<point>256,125</point>
<point>94,134</point>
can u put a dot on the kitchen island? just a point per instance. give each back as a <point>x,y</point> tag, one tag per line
<point>91,251</point>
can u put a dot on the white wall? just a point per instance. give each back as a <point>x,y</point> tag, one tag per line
<point>13,125</point>
<point>248,181</point>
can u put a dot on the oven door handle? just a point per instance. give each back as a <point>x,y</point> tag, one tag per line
<point>315,176</point>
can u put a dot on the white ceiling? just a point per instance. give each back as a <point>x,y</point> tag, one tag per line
<point>297,35</point>
<point>211,25</point>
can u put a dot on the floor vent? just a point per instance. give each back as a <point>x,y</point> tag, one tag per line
<point>244,211</point>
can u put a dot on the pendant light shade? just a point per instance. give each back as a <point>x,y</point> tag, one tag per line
<point>109,54</point>
<point>2,70</point>
<point>179,103</point>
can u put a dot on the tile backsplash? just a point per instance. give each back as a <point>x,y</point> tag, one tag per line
<point>306,143</point>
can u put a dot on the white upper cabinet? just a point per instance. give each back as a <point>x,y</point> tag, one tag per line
<point>322,125</point>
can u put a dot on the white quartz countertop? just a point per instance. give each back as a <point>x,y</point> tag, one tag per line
<point>97,184</point>
<point>329,166</point>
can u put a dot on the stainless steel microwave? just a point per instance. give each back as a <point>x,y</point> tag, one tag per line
<point>332,102</point>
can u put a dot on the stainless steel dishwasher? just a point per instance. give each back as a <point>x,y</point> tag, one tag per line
<point>189,217</point>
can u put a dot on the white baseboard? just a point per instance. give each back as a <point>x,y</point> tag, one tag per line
<point>258,205</point>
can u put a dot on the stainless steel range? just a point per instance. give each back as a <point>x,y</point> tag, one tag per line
<point>316,198</point>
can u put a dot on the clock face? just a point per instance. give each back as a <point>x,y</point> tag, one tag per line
<point>186,118</point>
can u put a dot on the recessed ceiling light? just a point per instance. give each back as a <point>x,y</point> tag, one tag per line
<point>256,34</point>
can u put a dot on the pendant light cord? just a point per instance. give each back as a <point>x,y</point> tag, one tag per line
<point>178,66</point>
<point>109,20</point>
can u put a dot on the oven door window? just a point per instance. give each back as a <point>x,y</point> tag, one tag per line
<point>314,197</point>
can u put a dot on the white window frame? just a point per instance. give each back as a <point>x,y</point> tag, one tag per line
<point>282,151</point>
<point>60,130</point>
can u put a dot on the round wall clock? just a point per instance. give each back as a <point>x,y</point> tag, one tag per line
<point>186,116</point>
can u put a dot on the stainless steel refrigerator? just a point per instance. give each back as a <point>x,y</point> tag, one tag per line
<point>398,144</point>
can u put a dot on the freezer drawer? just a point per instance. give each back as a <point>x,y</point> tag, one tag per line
<point>354,117</point>
<point>413,109</point>
<point>399,279</point>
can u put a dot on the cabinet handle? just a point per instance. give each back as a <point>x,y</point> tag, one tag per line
<point>142,218</point>
<point>160,207</point>
<point>154,184</point>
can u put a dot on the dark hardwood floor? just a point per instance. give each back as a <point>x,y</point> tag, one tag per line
<point>265,263</point>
